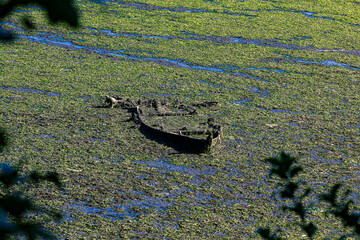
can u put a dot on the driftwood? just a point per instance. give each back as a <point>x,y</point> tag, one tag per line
<point>180,139</point>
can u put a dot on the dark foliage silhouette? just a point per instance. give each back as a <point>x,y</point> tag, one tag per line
<point>57,11</point>
<point>15,205</point>
<point>285,168</point>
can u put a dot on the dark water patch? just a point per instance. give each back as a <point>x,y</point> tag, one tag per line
<point>323,149</point>
<point>13,26</point>
<point>200,198</point>
<point>119,211</point>
<point>293,124</point>
<point>271,70</point>
<point>105,213</point>
<point>110,33</point>
<point>256,90</point>
<point>216,85</point>
<point>96,140</point>
<point>21,10</point>
<point>85,97</point>
<point>223,40</point>
<point>313,15</point>
<point>342,138</point>
<point>218,234</point>
<point>267,69</point>
<point>330,63</point>
<point>28,9</point>
<point>162,164</point>
<point>238,40</point>
<point>38,108</point>
<point>44,136</point>
<point>299,38</point>
<point>104,115</point>
<point>278,110</point>
<point>210,83</point>
<point>242,102</point>
<point>163,95</point>
<point>12,53</point>
<point>305,13</point>
<point>52,42</point>
<point>143,6</point>
<point>267,43</point>
<point>109,53</point>
<point>324,160</point>
<point>21,89</point>
<point>283,111</point>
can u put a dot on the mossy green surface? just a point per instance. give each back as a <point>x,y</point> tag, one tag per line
<point>119,184</point>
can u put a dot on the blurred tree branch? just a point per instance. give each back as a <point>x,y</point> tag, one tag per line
<point>57,11</point>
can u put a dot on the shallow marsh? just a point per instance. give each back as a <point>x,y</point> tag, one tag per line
<point>286,76</point>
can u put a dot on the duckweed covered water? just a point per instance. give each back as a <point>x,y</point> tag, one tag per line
<point>285,76</point>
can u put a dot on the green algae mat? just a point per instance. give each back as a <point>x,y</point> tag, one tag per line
<point>285,75</point>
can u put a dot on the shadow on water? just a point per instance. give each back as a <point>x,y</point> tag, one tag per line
<point>119,211</point>
<point>143,6</point>
<point>330,63</point>
<point>242,102</point>
<point>44,136</point>
<point>270,70</point>
<point>246,101</point>
<point>148,7</point>
<point>21,89</point>
<point>162,164</point>
<point>216,85</point>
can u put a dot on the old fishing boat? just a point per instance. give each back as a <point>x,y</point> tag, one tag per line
<point>175,125</point>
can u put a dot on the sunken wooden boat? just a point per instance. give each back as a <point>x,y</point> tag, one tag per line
<point>154,120</point>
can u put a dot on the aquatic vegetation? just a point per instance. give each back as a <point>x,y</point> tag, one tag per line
<point>285,78</point>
